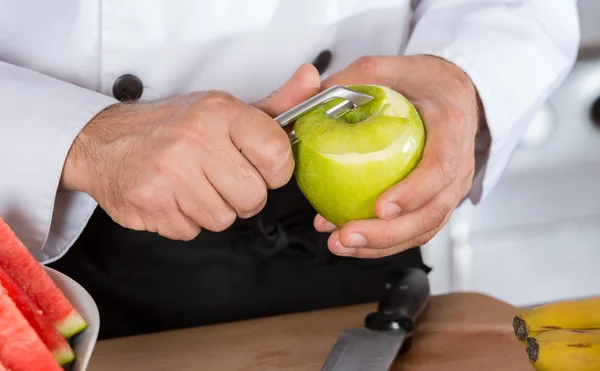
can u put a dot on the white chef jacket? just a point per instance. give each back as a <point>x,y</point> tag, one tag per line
<point>60,59</point>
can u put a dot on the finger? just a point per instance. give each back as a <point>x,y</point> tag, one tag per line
<point>436,171</point>
<point>169,221</point>
<point>421,239</point>
<point>262,140</point>
<point>205,206</point>
<point>177,226</point>
<point>268,149</point>
<point>323,225</point>
<point>382,234</point>
<point>150,208</point>
<point>365,70</point>
<point>404,74</point>
<point>418,241</point>
<point>236,180</point>
<point>303,84</point>
<point>379,253</point>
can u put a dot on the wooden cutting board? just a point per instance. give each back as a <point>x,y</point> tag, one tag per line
<point>459,332</point>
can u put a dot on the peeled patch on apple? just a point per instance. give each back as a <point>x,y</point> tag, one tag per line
<point>343,165</point>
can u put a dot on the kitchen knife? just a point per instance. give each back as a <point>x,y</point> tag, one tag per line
<point>388,331</point>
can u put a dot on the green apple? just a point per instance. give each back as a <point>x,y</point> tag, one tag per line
<point>343,165</point>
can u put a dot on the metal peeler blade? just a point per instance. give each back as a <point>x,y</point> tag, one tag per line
<point>352,99</point>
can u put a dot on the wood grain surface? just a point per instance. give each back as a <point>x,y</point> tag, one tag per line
<point>462,331</point>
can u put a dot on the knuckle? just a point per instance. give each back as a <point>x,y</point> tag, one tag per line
<point>275,151</point>
<point>166,230</point>
<point>218,99</point>
<point>164,165</point>
<point>367,64</point>
<point>222,220</point>
<point>434,217</point>
<point>253,200</point>
<point>448,167</point>
<point>144,197</point>
<point>245,173</point>
<point>412,198</point>
<point>188,234</point>
<point>221,102</point>
<point>455,115</point>
<point>388,237</point>
<point>424,239</point>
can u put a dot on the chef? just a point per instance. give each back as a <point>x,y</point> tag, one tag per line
<point>139,155</point>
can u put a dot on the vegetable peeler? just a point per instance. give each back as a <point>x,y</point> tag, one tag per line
<point>352,99</point>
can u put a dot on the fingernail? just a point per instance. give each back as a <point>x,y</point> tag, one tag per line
<point>391,211</point>
<point>343,251</point>
<point>356,240</point>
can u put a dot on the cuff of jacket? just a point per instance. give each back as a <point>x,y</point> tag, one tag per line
<point>70,211</point>
<point>45,116</point>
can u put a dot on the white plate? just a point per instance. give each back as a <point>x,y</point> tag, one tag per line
<point>84,342</point>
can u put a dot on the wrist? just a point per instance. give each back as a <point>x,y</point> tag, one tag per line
<point>85,155</point>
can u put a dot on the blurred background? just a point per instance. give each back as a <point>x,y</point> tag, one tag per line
<point>537,237</point>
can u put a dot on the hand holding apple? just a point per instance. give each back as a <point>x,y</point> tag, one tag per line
<point>411,212</point>
<point>344,163</point>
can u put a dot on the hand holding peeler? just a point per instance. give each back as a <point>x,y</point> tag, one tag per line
<point>352,99</point>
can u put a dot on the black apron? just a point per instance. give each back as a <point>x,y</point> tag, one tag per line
<point>271,264</point>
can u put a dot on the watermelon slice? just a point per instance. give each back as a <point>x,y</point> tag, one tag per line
<point>30,275</point>
<point>56,343</point>
<point>21,349</point>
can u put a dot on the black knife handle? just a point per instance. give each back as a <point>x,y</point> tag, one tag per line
<point>406,295</point>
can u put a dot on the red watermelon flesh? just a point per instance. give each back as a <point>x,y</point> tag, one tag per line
<point>56,343</point>
<point>21,349</point>
<point>2,368</point>
<point>30,275</point>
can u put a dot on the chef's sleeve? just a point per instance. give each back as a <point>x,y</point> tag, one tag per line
<point>40,117</point>
<point>516,52</point>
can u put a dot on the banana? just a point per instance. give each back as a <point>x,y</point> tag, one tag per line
<point>570,314</point>
<point>567,336</point>
<point>565,350</point>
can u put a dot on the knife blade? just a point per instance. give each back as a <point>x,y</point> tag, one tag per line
<point>386,332</point>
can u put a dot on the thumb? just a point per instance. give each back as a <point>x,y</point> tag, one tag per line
<point>303,84</point>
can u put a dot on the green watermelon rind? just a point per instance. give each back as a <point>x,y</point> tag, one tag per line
<point>47,332</point>
<point>64,356</point>
<point>22,266</point>
<point>71,325</point>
